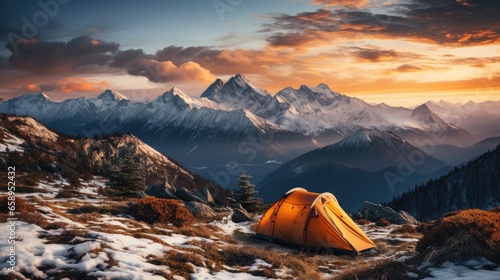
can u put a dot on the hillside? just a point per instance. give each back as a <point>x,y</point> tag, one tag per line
<point>475,185</point>
<point>42,152</point>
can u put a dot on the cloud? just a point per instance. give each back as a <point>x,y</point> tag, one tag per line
<point>478,62</point>
<point>374,55</point>
<point>343,3</point>
<point>52,58</point>
<point>449,22</point>
<point>167,71</point>
<point>408,68</point>
<point>78,84</point>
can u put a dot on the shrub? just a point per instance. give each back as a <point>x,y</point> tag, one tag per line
<point>462,236</point>
<point>382,222</point>
<point>362,221</point>
<point>151,210</point>
<point>405,229</point>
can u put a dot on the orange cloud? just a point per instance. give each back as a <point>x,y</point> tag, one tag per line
<point>343,3</point>
<point>31,88</point>
<point>80,85</point>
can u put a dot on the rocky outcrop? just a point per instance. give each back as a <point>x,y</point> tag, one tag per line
<point>240,215</point>
<point>205,195</point>
<point>161,190</point>
<point>374,212</point>
<point>200,210</point>
<point>188,195</point>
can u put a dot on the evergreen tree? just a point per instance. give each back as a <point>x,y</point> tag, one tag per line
<point>245,195</point>
<point>127,179</point>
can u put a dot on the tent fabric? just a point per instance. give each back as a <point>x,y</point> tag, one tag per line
<point>311,220</point>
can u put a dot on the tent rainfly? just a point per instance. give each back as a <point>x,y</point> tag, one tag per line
<point>312,221</point>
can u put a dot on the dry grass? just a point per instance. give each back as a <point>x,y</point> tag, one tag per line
<point>178,263</point>
<point>111,209</point>
<point>67,236</point>
<point>461,236</point>
<point>25,211</point>
<point>404,229</point>
<point>205,231</point>
<point>382,270</point>
<point>68,192</point>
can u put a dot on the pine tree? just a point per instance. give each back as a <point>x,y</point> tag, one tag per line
<point>245,195</point>
<point>127,179</point>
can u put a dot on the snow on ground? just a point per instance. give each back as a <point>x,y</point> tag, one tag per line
<point>229,227</point>
<point>202,273</point>
<point>118,247</point>
<point>13,143</point>
<point>471,270</point>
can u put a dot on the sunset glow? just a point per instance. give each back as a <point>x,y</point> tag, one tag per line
<point>396,52</point>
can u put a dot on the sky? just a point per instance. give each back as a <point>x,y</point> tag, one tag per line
<point>398,52</point>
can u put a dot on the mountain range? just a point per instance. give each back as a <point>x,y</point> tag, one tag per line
<point>369,165</point>
<point>237,124</point>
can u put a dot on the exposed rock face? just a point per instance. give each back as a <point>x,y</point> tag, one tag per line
<point>200,210</point>
<point>373,212</point>
<point>187,195</point>
<point>161,190</point>
<point>240,215</point>
<point>205,195</point>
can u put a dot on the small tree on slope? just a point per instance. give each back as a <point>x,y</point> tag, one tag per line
<point>245,195</point>
<point>127,179</point>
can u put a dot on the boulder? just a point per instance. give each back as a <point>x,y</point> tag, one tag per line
<point>162,190</point>
<point>374,212</point>
<point>187,195</point>
<point>200,210</point>
<point>240,215</point>
<point>141,195</point>
<point>205,195</point>
<point>357,216</point>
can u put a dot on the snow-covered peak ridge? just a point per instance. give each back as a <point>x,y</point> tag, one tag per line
<point>241,84</point>
<point>33,97</point>
<point>369,136</point>
<point>180,98</point>
<point>111,95</point>
<point>323,88</point>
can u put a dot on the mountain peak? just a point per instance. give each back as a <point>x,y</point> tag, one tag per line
<point>421,110</point>
<point>38,97</point>
<point>213,88</point>
<point>367,136</point>
<point>111,95</point>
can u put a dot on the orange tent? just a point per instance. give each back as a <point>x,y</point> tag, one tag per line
<point>312,221</point>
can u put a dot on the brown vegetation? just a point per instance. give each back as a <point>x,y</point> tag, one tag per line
<point>151,210</point>
<point>362,221</point>
<point>382,222</point>
<point>383,270</point>
<point>404,229</point>
<point>460,236</point>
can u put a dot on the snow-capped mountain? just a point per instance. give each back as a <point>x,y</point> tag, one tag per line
<point>476,117</point>
<point>237,93</point>
<point>236,121</point>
